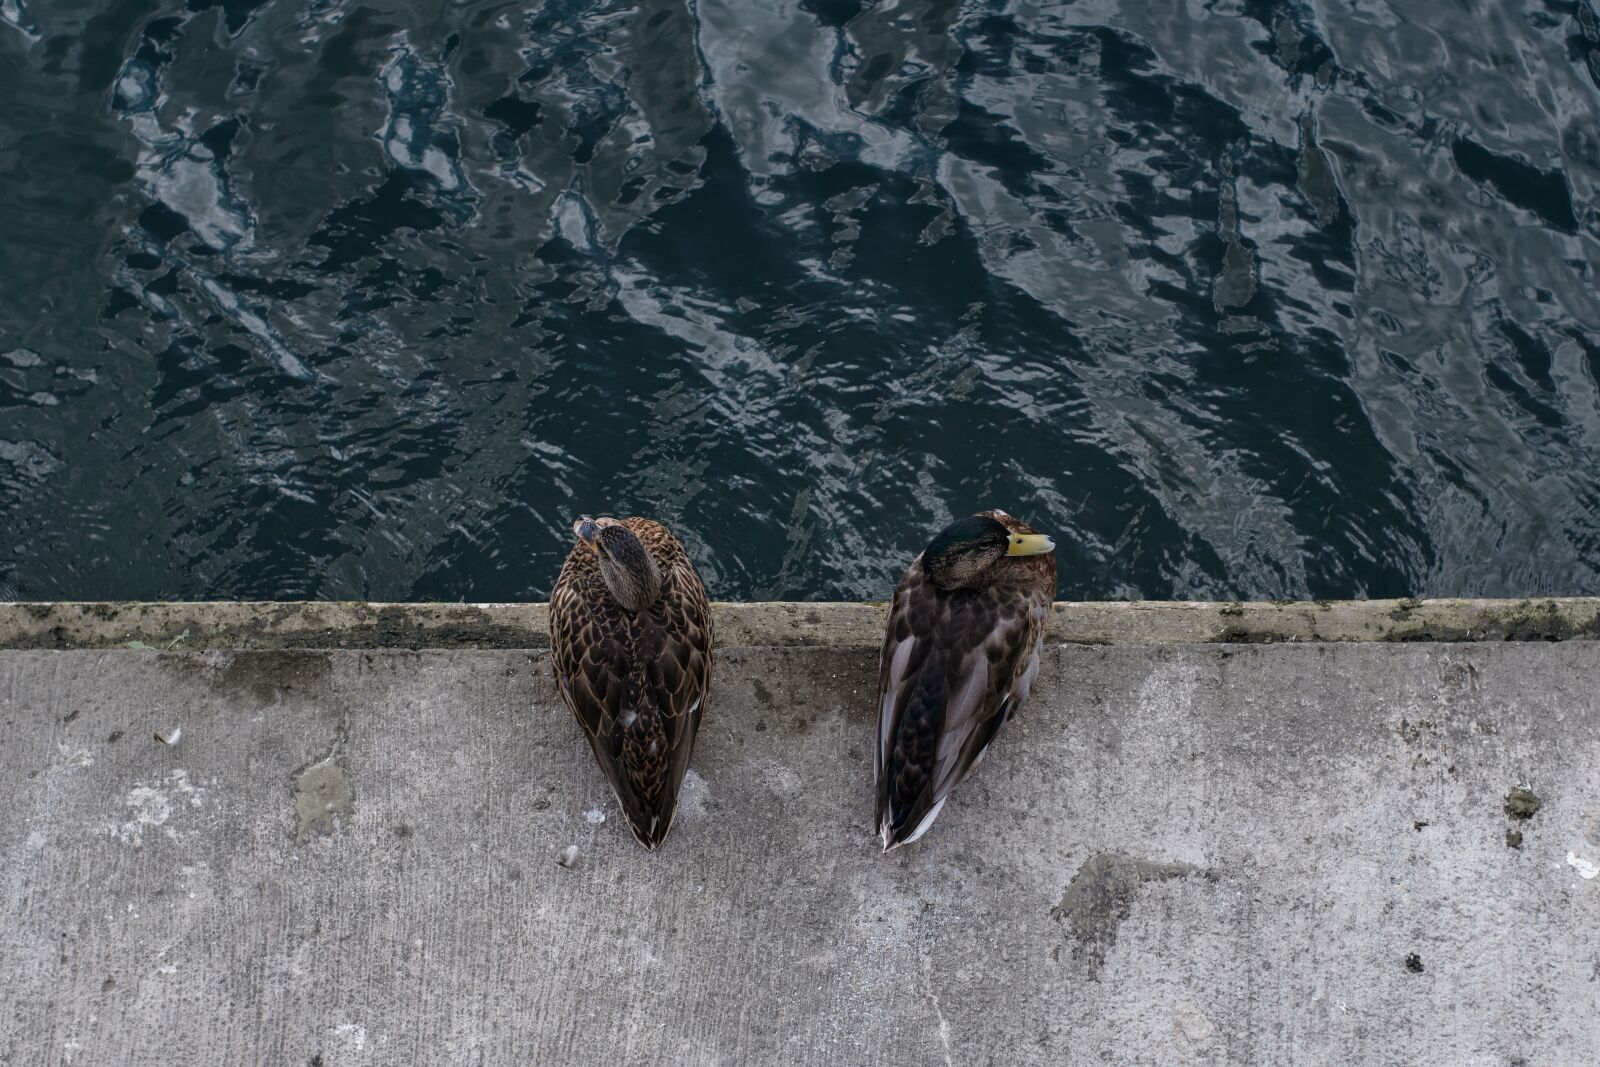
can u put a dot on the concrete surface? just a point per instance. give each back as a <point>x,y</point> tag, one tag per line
<point>320,624</point>
<point>1230,854</point>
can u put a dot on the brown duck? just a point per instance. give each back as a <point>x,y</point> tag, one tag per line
<point>631,635</point>
<point>959,655</point>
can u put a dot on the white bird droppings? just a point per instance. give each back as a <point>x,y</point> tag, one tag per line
<point>594,816</point>
<point>1585,868</point>
<point>353,1036</point>
<point>152,805</point>
<point>692,795</point>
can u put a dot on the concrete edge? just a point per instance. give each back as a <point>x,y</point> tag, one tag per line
<point>163,626</point>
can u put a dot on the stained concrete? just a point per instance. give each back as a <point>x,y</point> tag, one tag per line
<point>1246,854</point>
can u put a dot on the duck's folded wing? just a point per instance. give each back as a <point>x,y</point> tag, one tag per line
<point>590,662</point>
<point>636,747</point>
<point>680,674</point>
<point>675,646</point>
<point>591,668</point>
<point>945,676</point>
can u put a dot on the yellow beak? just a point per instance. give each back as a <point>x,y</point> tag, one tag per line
<point>1030,545</point>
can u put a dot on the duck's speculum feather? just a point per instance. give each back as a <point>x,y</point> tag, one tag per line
<point>637,682</point>
<point>955,665</point>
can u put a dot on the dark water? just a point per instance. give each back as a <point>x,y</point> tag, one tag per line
<point>339,299</point>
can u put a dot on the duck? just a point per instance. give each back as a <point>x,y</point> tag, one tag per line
<point>632,648</point>
<point>961,649</point>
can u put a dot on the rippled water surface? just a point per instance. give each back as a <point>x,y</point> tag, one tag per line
<point>346,299</point>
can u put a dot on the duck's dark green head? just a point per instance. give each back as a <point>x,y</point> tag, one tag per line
<point>965,553</point>
<point>626,566</point>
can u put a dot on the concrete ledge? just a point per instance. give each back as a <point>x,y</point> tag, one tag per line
<point>351,625</point>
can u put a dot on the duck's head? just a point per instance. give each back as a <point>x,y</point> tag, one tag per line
<point>628,569</point>
<point>967,553</point>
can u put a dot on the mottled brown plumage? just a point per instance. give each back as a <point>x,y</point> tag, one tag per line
<point>637,682</point>
<point>956,663</point>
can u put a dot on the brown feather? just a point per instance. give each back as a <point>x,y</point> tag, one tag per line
<point>637,685</point>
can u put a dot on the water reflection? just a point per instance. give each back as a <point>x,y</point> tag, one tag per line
<point>1241,299</point>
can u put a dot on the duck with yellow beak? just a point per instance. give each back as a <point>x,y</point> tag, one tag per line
<point>960,653</point>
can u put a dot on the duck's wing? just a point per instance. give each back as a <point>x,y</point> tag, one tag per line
<point>679,679</point>
<point>952,669</point>
<point>589,638</point>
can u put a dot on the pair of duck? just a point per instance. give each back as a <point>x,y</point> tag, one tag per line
<point>631,633</point>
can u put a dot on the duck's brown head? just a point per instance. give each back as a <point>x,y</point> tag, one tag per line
<point>629,571</point>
